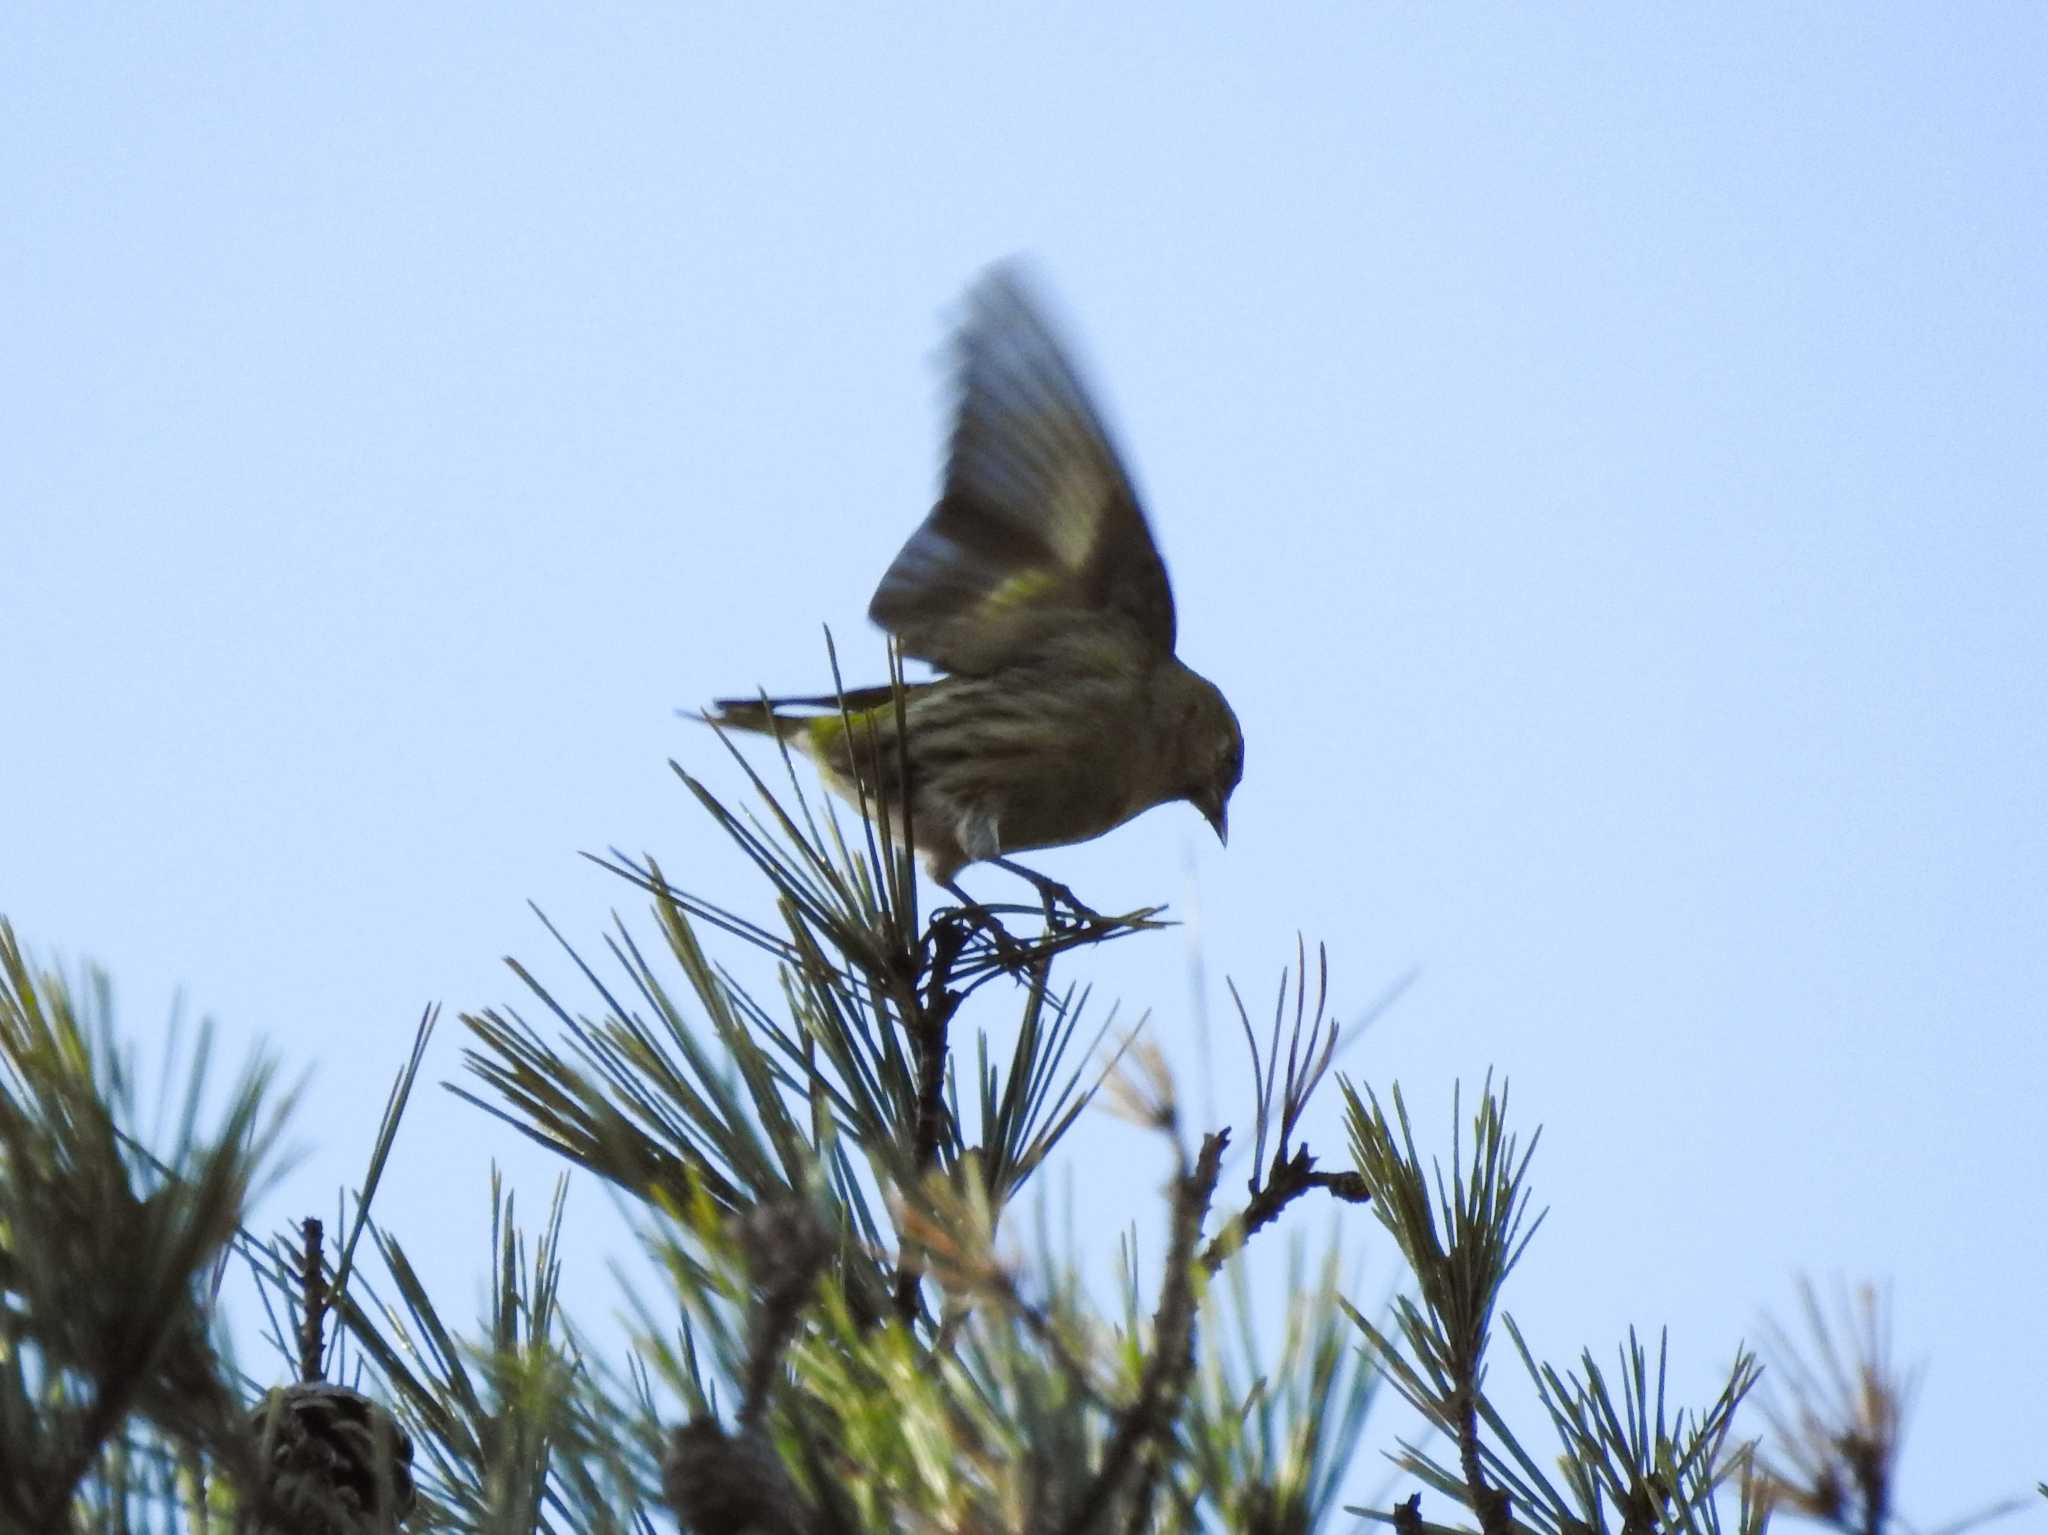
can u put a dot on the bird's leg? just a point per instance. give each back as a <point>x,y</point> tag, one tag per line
<point>1052,892</point>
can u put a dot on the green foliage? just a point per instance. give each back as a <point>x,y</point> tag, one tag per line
<point>111,1392</point>
<point>1622,1464</point>
<point>1276,1431</point>
<point>847,1328</point>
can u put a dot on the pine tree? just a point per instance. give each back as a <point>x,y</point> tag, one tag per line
<point>845,1340</point>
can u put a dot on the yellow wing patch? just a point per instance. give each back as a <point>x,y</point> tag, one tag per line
<point>1023,589</point>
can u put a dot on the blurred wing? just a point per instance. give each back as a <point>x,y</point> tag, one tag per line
<point>1038,526</point>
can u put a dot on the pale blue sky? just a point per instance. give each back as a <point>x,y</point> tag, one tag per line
<point>1600,454</point>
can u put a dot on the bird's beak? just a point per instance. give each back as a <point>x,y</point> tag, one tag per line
<point>1216,813</point>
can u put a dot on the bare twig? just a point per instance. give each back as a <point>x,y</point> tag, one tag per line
<point>929,1020</point>
<point>313,1296</point>
<point>1286,1182</point>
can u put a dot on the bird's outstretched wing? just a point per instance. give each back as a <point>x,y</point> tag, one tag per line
<point>1038,529</point>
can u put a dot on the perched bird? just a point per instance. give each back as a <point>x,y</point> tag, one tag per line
<point>1034,585</point>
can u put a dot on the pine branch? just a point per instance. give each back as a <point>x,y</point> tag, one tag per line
<point>1272,1435</point>
<point>928,1024</point>
<point>1281,1091</point>
<point>1286,1182</point>
<point>104,1247</point>
<point>1837,1410</point>
<point>313,1288</point>
<point>1150,1416</point>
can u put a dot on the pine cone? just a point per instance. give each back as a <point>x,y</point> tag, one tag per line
<point>335,1462</point>
<point>785,1244</point>
<point>721,1484</point>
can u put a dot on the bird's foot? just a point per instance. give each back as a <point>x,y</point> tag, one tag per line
<point>972,915</point>
<point>1055,895</point>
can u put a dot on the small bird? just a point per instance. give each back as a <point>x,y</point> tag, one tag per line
<point>1035,587</point>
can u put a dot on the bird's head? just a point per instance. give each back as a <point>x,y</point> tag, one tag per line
<point>1210,750</point>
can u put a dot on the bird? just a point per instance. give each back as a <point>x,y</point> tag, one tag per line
<point>1035,589</point>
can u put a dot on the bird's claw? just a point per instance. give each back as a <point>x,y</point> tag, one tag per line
<point>1079,912</point>
<point>972,915</point>
<point>1055,895</point>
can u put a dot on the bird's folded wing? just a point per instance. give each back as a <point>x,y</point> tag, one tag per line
<point>1038,526</point>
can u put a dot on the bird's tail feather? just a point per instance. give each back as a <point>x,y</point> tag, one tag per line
<point>777,716</point>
